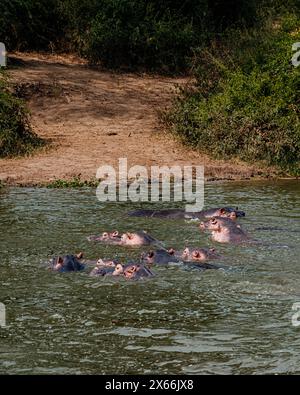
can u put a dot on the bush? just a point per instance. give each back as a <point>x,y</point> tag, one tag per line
<point>16,138</point>
<point>122,33</point>
<point>153,35</point>
<point>246,103</point>
<point>31,24</point>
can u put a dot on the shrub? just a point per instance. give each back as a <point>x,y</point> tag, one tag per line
<point>16,137</point>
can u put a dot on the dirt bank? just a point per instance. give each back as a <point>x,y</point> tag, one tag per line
<point>93,117</point>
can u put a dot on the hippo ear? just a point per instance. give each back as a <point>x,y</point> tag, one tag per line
<point>130,235</point>
<point>236,208</point>
<point>115,233</point>
<point>100,262</point>
<point>212,249</point>
<point>222,211</point>
<point>59,260</point>
<point>238,226</point>
<point>171,251</point>
<point>104,234</point>
<point>80,255</point>
<point>151,254</point>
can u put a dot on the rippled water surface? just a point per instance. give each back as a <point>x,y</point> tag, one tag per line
<point>237,320</point>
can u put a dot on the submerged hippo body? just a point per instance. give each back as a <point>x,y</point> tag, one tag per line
<point>126,239</point>
<point>202,266</point>
<point>67,263</point>
<point>181,213</point>
<point>224,230</point>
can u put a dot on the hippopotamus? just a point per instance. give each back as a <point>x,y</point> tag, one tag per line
<point>159,257</point>
<point>104,267</point>
<point>126,239</point>
<point>187,260</point>
<point>132,271</point>
<point>67,263</point>
<point>224,230</point>
<point>198,254</point>
<point>181,213</point>
<point>107,237</point>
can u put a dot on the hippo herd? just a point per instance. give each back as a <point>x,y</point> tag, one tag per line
<point>221,222</point>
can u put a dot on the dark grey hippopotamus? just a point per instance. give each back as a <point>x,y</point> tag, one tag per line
<point>165,257</point>
<point>125,239</point>
<point>67,263</point>
<point>181,213</point>
<point>159,257</point>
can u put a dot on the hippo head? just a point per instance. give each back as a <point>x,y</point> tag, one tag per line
<point>128,271</point>
<point>119,269</point>
<point>132,239</point>
<point>131,271</point>
<point>229,212</point>
<point>148,257</point>
<point>67,263</point>
<point>110,236</point>
<point>198,254</point>
<point>106,263</point>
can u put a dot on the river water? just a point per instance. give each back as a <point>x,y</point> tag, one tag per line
<point>237,320</point>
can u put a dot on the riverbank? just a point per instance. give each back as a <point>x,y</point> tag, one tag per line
<point>91,117</point>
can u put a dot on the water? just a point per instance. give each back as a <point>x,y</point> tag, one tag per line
<point>190,322</point>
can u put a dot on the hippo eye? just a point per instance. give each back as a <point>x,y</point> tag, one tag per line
<point>214,221</point>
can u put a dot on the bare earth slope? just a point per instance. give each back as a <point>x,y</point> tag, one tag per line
<point>93,117</point>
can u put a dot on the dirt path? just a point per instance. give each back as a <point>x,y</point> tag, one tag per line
<point>93,118</point>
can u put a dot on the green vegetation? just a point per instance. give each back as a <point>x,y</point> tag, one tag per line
<point>75,182</point>
<point>16,137</point>
<point>152,34</point>
<point>247,97</point>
